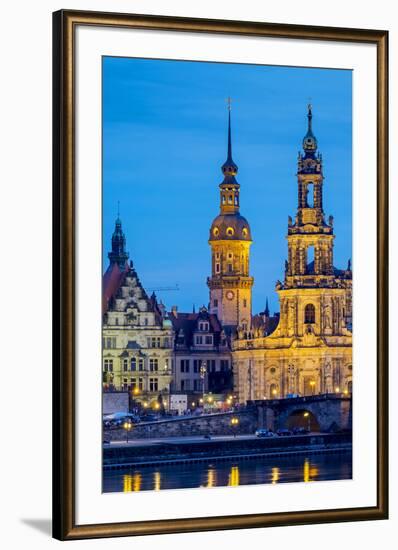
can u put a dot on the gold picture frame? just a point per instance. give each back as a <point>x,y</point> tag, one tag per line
<point>64,31</point>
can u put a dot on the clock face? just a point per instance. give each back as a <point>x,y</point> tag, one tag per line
<point>230,295</point>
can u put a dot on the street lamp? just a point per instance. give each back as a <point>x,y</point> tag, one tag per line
<point>307,415</point>
<point>127,426</point>
<point>234,424</point>
<point>202,373</point>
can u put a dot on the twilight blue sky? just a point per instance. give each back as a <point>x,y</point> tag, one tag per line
<point>165,139</point>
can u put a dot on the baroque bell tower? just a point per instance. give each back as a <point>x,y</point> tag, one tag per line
<point>230,239</point>
<point>315,297</point>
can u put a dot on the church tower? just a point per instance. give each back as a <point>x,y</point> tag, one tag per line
<point>315,296</point>
<point>118,254</point>
<point>230,239</point>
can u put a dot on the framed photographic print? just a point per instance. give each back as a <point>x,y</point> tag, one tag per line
<point>220,274</point>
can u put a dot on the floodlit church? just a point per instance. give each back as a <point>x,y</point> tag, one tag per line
<point>310,350</point>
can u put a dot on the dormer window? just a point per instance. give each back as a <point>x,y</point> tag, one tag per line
<point>204,326</point>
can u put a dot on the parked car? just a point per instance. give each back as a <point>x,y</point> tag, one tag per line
<point>283,433</point>
<point>264,433</point>
<point>300,431</point>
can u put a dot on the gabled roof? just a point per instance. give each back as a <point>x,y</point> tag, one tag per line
<point>188,324</point>
<point>111,282</point>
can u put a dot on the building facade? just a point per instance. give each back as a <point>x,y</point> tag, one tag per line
<point>310,351</point>
<point>137,338</point>
<point>202,355</point>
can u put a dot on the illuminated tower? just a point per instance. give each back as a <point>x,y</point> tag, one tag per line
<point>230,239</point>
<point>315,296</point>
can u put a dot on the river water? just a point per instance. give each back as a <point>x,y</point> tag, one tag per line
<point>330,466</point>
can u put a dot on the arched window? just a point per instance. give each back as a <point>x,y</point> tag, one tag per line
<point>309,314</point>
<point>349,386</point>
<point>273,391</point>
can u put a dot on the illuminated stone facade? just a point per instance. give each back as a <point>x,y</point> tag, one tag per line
<point>137,337</point>
<point>230,239</point>
<point>310,351</point>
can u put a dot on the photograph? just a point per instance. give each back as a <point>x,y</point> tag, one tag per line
<point>227,324</point>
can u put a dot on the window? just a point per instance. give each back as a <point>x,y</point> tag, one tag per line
<point>197,385</point>
<point>125,365</point>
<point>215,302</point>
<point>140,364</point>
<point>217,255</point>
<point>133,364</point>
<point>215,231</point>
<point>211,365</point>
<point>153,384</point>
<point>223,199</point>
<point>309,314</point>
<point>204,327</point>
<point>184,365</point>
<point>310,195</point>
<point>230,269</point>
<point>196,365</point>
<point>209,340</point>
<point>117,321</point>
<point>153,364</point>
<point>230,256</point>
<point>236,200</point>
<point>199,340</point>
<point>108,365</point>
<point>229,199</point>
<point>109,343</point>
<point>217,268</point>
<point>230,231</point>
<point>244,232</point>
<point>244,302</point>
<point>140,384</point>
<point>224,364</point>
<point>166,342</point>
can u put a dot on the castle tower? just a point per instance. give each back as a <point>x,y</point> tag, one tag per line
<point>314,295</point>
<point>118,254</point>
<point>230,240</point>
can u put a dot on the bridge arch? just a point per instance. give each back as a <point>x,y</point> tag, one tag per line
<point>302,418</point>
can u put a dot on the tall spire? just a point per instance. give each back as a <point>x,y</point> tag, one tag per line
<point>118,254</point>
<point>229,168</point>
<point>309,142</point>
<point>266,311</point>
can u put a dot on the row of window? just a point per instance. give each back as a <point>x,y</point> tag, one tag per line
<point>135,364</point>
<point>138,383</point>
<point>206,340</point>
<point>187,385</point>
<point>156,342</point>
<point>231,199</point>
<point>209,364</point>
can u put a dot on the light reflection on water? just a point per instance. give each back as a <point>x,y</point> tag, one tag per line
<point>249,472</point>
